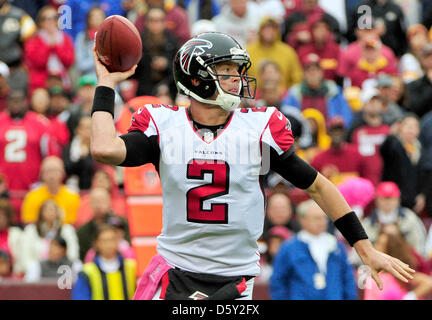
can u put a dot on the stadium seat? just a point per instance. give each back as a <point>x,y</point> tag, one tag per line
<point>144,216</point>
<point>143,180</point>
<point>145,249</point>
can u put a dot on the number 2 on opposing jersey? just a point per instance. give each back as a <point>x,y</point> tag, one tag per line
<point>14,150</point>
<point>195,197</point>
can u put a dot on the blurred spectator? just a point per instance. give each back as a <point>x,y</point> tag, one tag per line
<point>411,9</point>
<point>410,65</point>
<point>391,89</point>
<point>124,247</point>
<point>58,114</point>
<point>296,28</point>
<point>313,265</point>
<point>16,27</point>
<point>320,139</point>
<point>300,128</point>
<point>32,7</point>
<point>273,240</point>
<point>390,211</point>
<point>159,48</point>
<point>49,51</point>
<point>80,8</point>
<point>269,46</point>
<point>176,19</point>
<point>351,55</point>
<point>84,41</point>
<point>342,160</point>
<point>426,159</point>
<point>79,165</point>
<point>37,236</point>
<point>270,72</point>
<point>4,86</point>
<point>271,8</point>
<point>52,187</point>
<point>391,20</point>
<point>109,276</point>
<point>24,140</point>
<point>5,265</point>
<point>419,92</point>
<point>10,236</point>
<point>271,95</point>
<point>318,93</point>
<point>401,153</point>
<point>369,131</point>
<point>57,258</point>
<point>391,241</point>
<point>371,63</point>
<point>280,213</point>
<point>100,202</point>
<point>84,102</point>
<point>40,101</point>
<point>323,44</point>
<point>101,179</point>
<point>240,19</point>
<point>200,9</point>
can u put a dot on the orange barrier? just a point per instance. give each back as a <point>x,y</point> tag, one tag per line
<point>143,180</point>
<point>144,216</point>
<point>145,249</point>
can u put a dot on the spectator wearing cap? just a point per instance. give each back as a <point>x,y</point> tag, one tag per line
<point>49,268</point>
<point>369,131</point>
<point>313,265</point>
<point>390,211</point>
<point>84,101</point>
<point>4,86</point>
<point>392,90</point>
<point>84,41</point>
<point>49,51</point>
<point>410,65</point>
<point>401,153</point>
<point>351,55</point>
<point>342,160</point>
<point>419,92</point>
<point>324,45</point>
<point>268,46</point>
<point>370,63</point>
<point>318,93</point>
<point>391,21</point>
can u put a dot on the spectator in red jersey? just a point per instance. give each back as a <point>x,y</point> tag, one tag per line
<point>351,55</point>
<point>176,19</point>
<point>49,51</point>
<point>10,235</point>
<point>324,45</point>
<point>342,160</point>
<point>371,63</point>
<point>25,139</point>
<point>4,86</point>
<point>369,131</point>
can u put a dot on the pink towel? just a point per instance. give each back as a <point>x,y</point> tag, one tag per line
<point>151,278</point>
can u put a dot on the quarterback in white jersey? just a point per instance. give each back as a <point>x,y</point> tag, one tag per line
<point>210,158</point>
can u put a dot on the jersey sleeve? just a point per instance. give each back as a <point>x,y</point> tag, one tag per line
<point>143,121</point>
<point>277,134</point>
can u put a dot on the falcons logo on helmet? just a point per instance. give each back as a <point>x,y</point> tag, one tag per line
<point>194,47</point>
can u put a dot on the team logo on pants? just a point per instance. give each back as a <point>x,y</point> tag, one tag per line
<point>198,295</point>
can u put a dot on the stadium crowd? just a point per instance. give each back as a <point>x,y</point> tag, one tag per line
<point>354,81</point>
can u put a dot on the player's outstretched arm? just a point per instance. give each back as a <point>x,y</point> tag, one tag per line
<point>328,197</point>
<point>106,146</point>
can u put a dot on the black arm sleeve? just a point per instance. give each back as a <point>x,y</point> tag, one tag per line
<point>292,168</point>
<point>140,149</point>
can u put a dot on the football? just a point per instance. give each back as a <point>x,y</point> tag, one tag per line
<point>118,44</point>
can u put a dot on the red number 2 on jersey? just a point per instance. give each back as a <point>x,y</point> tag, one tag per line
<point>195,197</point>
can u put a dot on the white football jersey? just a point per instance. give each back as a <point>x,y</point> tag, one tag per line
<point>213,202</point>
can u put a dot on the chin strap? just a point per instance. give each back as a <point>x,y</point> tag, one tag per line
<point>226,101</point>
